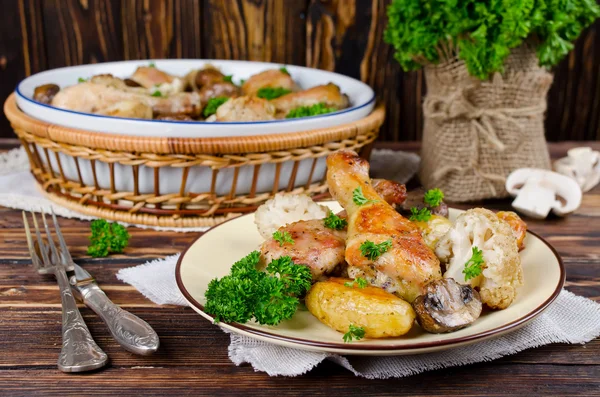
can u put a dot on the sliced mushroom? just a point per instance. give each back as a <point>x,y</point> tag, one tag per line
<point>540,191</point>
<point>447,306</point>
<point>414,198</point>
<point>45,93</point>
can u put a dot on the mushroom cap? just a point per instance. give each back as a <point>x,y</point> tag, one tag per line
<point>447,306</point>
<point>414,198</point>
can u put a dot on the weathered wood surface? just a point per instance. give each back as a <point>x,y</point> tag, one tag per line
<point>193,358</point>
<point>340,35</point>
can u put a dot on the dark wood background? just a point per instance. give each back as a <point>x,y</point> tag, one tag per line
<point>340,35</point>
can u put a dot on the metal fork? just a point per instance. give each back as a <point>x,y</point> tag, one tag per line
<point>79,351</point>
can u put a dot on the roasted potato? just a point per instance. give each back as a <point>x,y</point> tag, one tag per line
<point>380,313</point>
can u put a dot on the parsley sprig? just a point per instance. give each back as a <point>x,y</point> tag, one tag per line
<point>484,32</point>
<point>358,281</point>
<point>283,237</point>
<point>228,78</point>
<point>372,251</point>
<point>420,215</point>
<point>332,221</point>
<point>272,92</point>
<point>157,93</point>
<point>283,69</point>
<point>213,104</point>
<point>81,80</point>
<point>354,333</point>
<point>107,238</point>
<point>270,297</point>
<point>307,111</point>
<point>433,197</point>
<point>474,266</point>
<point>359,198</point>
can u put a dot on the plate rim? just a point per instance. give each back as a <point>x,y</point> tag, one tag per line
<point>441,344</point>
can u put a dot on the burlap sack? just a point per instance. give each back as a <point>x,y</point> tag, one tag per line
<point>476,132</point>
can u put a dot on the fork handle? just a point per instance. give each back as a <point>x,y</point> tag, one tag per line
<point>79,351</point>
<point>130,331</point>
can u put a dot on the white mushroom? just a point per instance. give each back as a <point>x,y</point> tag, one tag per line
<point>540,191</point>
<point>581,164</point>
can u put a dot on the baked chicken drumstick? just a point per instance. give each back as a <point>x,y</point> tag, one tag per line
<point>382,246</point>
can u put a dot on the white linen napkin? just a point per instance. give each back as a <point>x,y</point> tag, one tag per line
<point>18,188</point>
<point>570,319</point>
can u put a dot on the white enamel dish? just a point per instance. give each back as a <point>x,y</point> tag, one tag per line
<point>213,253</point>
<point>362,100</point>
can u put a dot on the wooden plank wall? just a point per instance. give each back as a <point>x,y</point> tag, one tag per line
<point>340,35</point>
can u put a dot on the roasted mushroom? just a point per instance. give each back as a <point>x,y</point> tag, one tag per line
<point>45,93</point>
<point>218,89</point>
<point>207,76</point>
<point>447,306</point>
<point>392,192</point>
<point>414,198</point>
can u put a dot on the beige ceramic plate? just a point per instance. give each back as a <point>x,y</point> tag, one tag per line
<point>214,252</point>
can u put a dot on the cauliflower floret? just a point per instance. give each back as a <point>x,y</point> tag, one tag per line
<point>433,229</point>
<point>502,273</point>
<point>284,209</point>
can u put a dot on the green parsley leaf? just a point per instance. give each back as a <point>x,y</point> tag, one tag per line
<point>283,238</point>
<point>420,215</point>
<point>296,278</point>
<point>283,69</point>
<point>107,238</point>
<point>272,92</point>
<point>157,93</point>
<point>359,198</point>
<point>474,266</point>
<point>228,78</point>
<point>354,332</point>
<point>270,297</point>
<point>307,111</point>
<point>433,197</point>
<point>151,65</point>
<point>242,81</point>
<point>359,282</point>
<point>372,251</point>
<point>332,221</point>
<point>213,104</point>
<point>81,80</point>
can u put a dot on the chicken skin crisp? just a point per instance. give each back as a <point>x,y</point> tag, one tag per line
<point>318,247</point>
<point>409,264</point>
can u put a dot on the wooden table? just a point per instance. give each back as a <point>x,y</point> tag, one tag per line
<point>193,358</point>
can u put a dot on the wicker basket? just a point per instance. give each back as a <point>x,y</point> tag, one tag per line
<point>67,164</point>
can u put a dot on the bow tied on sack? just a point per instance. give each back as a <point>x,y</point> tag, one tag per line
<point>483,122</point>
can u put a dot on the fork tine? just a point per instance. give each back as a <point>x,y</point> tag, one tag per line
<point>51,244</point>
<point>66,256</point>
<point>34,256</point>
<point>45,259</point>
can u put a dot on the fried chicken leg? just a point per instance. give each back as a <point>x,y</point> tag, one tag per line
<point>409,264</point>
